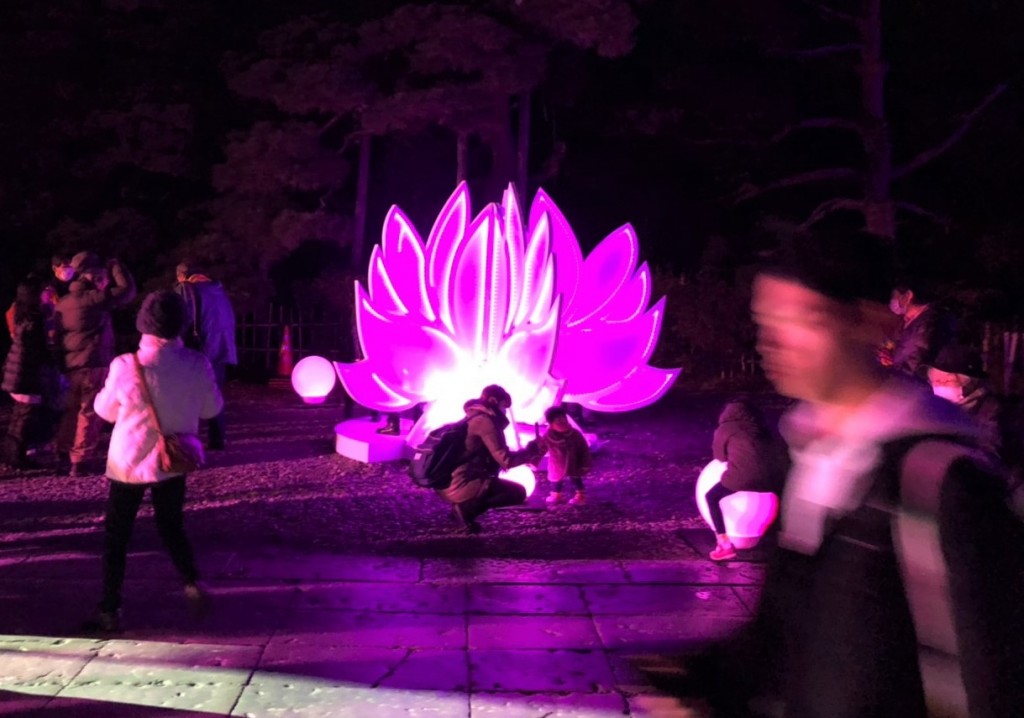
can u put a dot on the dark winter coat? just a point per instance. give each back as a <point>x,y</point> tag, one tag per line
<point>756,457</point>
<point>1002,431</point>
<point>211,318</point>
<point>28,358</point>
<point>920,341</point>
<point>84,322</point>
<point>568,453</point>
<point>837,617</point>
<point>487,453</point>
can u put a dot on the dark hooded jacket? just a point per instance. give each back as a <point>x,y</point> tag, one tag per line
<point>756,457</point>
<point>84,321</point>
<point>211,319</point>
<point>487,453</point>
<point>920,341</point>
<point>29,357</point>
<point>568,453</point>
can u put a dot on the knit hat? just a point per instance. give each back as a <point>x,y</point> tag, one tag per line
<point>162,314</point>
<point>959,359</point>
<point>498,393</point>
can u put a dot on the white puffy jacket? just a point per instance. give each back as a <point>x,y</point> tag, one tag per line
<point>183,388</point>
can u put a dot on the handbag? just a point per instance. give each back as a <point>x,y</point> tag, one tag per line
<point>178,453</point>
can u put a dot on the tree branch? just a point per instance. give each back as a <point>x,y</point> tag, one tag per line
<point>816,52</point>
<point>930,154</point>
<point>818,123</point>
<point>829,14</point>
<point>828,207</point>
<point>748,192</point>
<point>943,222</point>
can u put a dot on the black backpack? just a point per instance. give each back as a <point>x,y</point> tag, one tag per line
<point>439,455</point>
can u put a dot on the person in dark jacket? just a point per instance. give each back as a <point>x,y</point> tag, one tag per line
<point>87,338</point>
<point>211,330</point>
<point>957,375</point>
<point>896,539</point>
<point>475,486</point>
<point>925,328</point>
<point>26,372</point>
<point>755,462</point>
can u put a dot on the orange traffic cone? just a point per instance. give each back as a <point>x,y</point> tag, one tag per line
<point>284,354</point>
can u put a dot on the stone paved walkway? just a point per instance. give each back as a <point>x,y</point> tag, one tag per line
<point>361,636</point>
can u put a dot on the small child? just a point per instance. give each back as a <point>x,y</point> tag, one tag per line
<point>568,456</point>
<point>756,459</point>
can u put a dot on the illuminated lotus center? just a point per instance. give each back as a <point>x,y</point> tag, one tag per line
<point>492,299</point>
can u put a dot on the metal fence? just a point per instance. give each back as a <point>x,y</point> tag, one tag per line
<point>261,338</point>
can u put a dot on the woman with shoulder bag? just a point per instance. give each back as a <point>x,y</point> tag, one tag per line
<point>155,397</point>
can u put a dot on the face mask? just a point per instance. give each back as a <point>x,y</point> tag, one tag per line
<point>949,393</point>
<point>64,274</point>
<point>896,307</point>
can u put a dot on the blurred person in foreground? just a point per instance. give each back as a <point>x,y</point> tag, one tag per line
<point>210,329</point>
<point>183,391</point>
<point>475,486</point>
<point>899,570</point>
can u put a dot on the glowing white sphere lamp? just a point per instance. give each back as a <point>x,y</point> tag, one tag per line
<point>313,379</point>
<point>522,475</point>
<point>747,514</point>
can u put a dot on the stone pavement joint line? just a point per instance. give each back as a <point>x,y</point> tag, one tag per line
<point>366,636</point>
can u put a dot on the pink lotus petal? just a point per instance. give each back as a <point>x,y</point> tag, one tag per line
<point>606,272</point>
<point>642,387</point>
<point>448,232</point>
<point>563,245</point>
<point>402,256</point>
<point>593,359</point>
<point>366,387</point>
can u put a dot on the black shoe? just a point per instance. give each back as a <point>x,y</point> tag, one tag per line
<point>465,523</point>
<point>198,599</point>
<point>103,622</point>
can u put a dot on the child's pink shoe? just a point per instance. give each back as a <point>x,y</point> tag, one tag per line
<point>723,552</point>
<point>578,499</point>
<point>554,498</point>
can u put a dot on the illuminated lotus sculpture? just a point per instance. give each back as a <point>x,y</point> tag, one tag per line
<point>493,300</point>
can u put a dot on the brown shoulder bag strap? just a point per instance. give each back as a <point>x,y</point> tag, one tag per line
<point>146,396</point>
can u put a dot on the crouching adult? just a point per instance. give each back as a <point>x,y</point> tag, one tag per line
<point>475,485</point>
<point>181,385</point>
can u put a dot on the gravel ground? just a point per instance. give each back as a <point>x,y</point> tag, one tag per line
<point>280,484</point>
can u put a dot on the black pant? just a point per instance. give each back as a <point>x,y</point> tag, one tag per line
<point>216,426</point>
<point>499,493</point>
<point>715,494</point>
<point>23,429</point>
<point>576,481</point>
<point>123,503</point>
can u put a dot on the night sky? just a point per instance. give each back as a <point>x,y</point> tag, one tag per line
<point>230,131</point>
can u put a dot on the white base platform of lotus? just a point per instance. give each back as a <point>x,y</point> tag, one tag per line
<point>358,439</point>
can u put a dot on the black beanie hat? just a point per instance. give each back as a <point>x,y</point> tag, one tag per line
<point>960,359</point>
<point>162,314</point>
